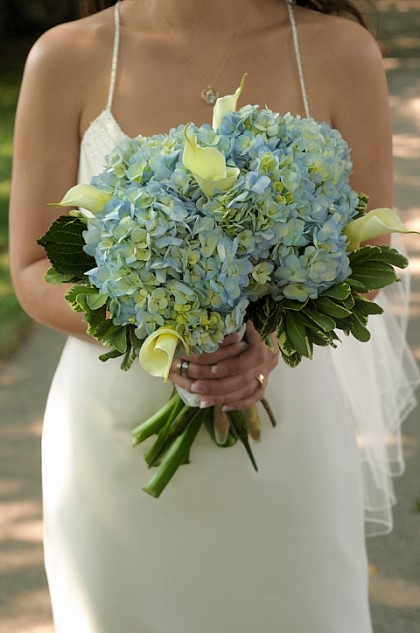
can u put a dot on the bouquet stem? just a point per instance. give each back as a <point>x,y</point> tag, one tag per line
<point>154,424</point>
<point>177,455</point>
<point>172,429</point>
<point>176,426</point>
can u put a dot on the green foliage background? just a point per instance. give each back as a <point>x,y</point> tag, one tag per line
<point>13,321</point>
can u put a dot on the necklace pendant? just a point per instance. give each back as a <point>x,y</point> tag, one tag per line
<point>209,95</point>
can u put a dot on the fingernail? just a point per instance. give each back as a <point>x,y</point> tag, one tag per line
<point>204,404</point>
<point>227,407</point>
<point>196,387</point>
<point>219,370</point>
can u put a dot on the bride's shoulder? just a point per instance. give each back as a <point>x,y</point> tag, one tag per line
<point>340,41</point>
<point>72,49</point>
<point>341,58</point>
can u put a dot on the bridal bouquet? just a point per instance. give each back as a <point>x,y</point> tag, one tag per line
<point>187,235</point>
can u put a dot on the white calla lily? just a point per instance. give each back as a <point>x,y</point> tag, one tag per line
<point>86,196</point>
<point>226,104</point>
<point>373,224</point>
<point>208,166</point>
<point>223,184</point>
<point>158,350</point>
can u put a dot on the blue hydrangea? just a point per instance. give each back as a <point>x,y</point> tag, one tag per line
<point>166,254</point>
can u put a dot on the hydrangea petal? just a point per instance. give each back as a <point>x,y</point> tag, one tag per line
<point>158,350</point>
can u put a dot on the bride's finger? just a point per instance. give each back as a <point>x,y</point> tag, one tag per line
<point>231,339</point>
<point>224,352</point>
<point>193,371</point>
<point>241,398</point>
<point>231,388</point>
<point>256,354</point>
<point>203,381</point>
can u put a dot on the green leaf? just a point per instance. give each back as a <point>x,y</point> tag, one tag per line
<point>295,306</point>
<point>378,253</point>
<point>348,302</point>
<point>113,353</point>
<point>375,275</point>
<point>54,277</point>
<point>393,257</point>
<point>323,340</point>
<point>265,315</point>
<point>76,297</point>
<point>366,307</point>
<point>362,204</point>
<point>237,423</point>
<point>355,285</point>
<point>323,321</point>
<point>95,301</point>
<point>133,348</point>
<point>63,244</point>
<point>361,254</point>
<point>95,318</point>
<point>329,307</point>
<point>340,291</point>
<point>291,357</point>
<point>296,333</point>
<point>359,330</point>
<point>110,335</point>
<point>291,360</point>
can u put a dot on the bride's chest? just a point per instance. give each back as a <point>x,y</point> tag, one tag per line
<point>158,87</point>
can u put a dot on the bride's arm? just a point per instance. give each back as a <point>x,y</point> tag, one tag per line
<point>66,71</point>
<point>363,117</point>
<point>360,110</point>
<point>346,78</point>
<point>45,163</point>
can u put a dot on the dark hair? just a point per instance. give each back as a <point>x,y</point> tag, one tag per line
<point>337,7</point>
<point>87,7</point>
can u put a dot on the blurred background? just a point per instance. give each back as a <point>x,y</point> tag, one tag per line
<point>21,15</point>
<point>28,352</point>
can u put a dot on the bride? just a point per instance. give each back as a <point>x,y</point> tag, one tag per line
<point>224,550</point>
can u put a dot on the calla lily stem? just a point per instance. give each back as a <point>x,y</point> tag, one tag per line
<point>177,455</point>
<point>153,425</point>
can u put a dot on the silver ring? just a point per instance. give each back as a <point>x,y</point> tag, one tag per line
<point>183,368</point>
<point>261,381</point>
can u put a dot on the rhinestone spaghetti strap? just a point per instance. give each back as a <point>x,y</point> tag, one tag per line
<point>117,22</point>
<point>289,4</point>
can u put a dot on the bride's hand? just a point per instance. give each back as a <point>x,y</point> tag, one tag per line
<point>234,376</point>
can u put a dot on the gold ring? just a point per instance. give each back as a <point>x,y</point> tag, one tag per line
<point>261,381</point>
<point>183,370</point>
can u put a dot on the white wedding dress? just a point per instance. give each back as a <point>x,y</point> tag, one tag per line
<point>225,549</point>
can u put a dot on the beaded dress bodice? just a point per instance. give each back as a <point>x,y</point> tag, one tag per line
<point>99,139</point>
